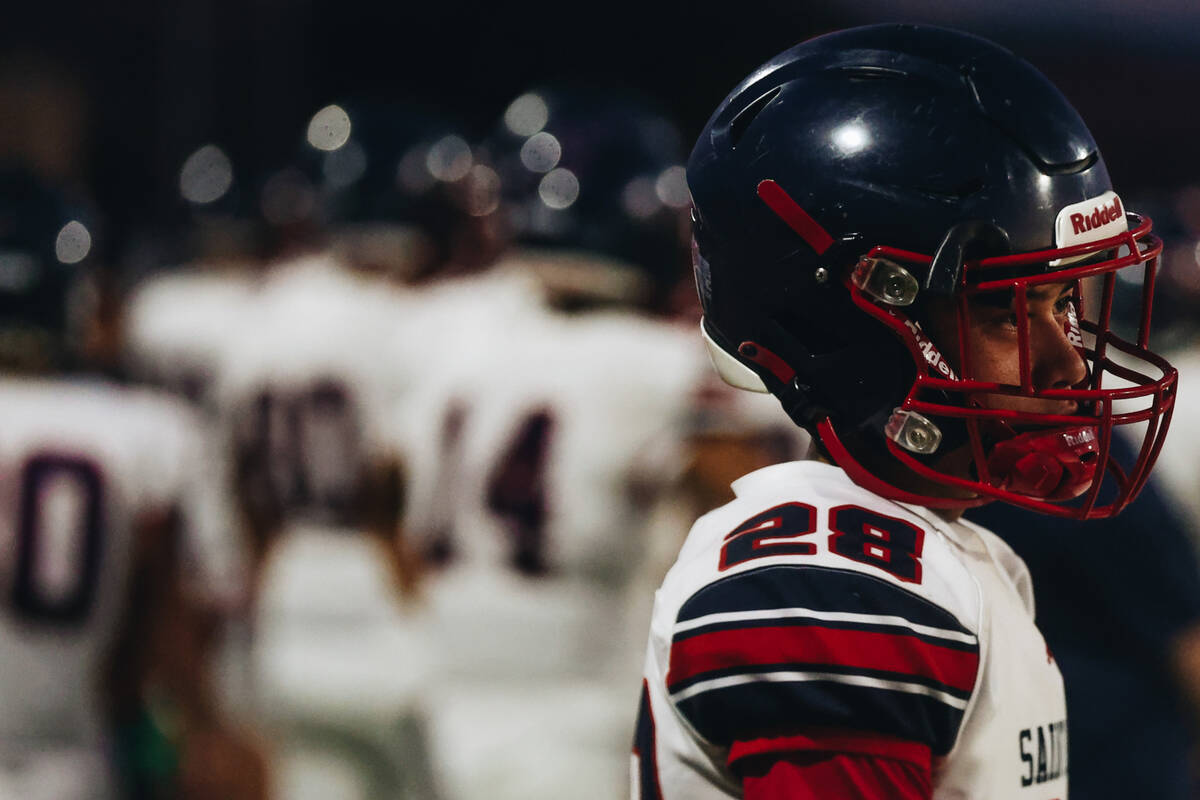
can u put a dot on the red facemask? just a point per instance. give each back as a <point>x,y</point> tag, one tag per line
<point>1056,463</point>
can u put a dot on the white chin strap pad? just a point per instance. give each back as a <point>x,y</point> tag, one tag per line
<point>731,370</point>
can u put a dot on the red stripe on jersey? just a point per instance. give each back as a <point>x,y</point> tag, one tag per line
<point>830,740</point>
<point>838,775</point>
<point>811,644</point>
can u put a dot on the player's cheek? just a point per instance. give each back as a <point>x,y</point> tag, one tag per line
<point>994,359</point>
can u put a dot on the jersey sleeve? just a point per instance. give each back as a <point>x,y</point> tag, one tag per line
<point>186,471</point>
<point>860,776</point>
<point>783,649</point>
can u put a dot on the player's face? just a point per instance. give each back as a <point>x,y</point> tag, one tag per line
<point>992,345</point>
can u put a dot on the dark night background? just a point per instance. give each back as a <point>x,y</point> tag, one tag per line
<point>110,96</point>
<point>162,77</point>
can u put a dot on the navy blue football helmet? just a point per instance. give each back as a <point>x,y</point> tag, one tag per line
<point>857,179</point>
<point>388,176</point>
<point>218,216</point>
<point>595,171</point>
<point>46,243</point>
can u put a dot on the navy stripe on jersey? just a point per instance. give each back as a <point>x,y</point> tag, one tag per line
<point>777,650</point>
<point>644,750</point>
<point>768,709</point>
<point>818,589</point>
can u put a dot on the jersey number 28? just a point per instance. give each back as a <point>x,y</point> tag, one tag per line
<point>856,533</point>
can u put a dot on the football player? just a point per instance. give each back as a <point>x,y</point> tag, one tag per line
<point>178,323</point>
<point>891,225</point>
<point>387,187</point>
<point>107,614</point>
<point>550,422</point>
<point>302,401</point>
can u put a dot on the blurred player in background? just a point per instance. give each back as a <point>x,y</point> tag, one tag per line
<point>47,116</point>
<point>180,320</point>
<point>109,605</point>
<point>338,650</point>
<point>375,202</point>
<point>555,400</point>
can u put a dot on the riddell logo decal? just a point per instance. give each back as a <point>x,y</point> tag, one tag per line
<point>929,350</point>
<point>1099,216</point>
<point>1074,335</point>
<point>1083,437</point>
<point>1088,221</point>
<point>1091,220</point>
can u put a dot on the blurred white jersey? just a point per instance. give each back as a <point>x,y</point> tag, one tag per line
<point>179,325</point>
<point>1175,469</point>
<point>337,663</point>
<point>544,447</point>
<point>306,388</point>
<point>83,462</point>
<point>810,605</point>
<point>450,323</point>
<point>535,444</point>
<point>342,667</point>
<point>547,446</point>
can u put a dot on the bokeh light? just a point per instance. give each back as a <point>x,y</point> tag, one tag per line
<point>329,129</point>
<point>559,188</point>
<point>73,243</point>
<point>206,175</point>
<point>527,115</point>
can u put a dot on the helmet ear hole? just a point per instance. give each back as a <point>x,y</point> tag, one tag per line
<point>972,238</point>
<point>737,128</point>
<point>731,370</point>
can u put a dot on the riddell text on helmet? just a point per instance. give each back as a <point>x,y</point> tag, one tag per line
<point>1102,215</point>
<point>929,350</point>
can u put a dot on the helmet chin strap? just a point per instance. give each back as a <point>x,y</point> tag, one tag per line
<point>868,480</point>
<point>1050,465</point>
<point>1043,465</point>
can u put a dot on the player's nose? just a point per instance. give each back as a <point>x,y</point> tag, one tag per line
<point>1057,363</point>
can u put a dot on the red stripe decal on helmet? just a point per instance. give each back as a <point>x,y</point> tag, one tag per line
<point>760,355</point>
<point>796,217</point>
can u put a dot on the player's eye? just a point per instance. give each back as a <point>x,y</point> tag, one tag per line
<point>1063,304</point>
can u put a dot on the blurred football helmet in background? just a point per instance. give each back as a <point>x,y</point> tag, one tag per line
<point>594,181</point>
<point>397,187</point>
<point>46,249</point>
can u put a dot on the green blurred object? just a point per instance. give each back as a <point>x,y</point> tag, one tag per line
<point>148,751</point>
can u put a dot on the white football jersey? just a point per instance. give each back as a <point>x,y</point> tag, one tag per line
<point>449,324</point>
<point>544,448</point>
<point>534,446</point>
<point>306,388</point>
<point>1175,469</point>
<point>179,324</point>
<point>333,634</point>
<point>342,666</point>
<point>82,462</point>
<point>808,603</point>
<point>451,330</point>
<point>544,451</point>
